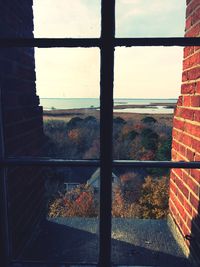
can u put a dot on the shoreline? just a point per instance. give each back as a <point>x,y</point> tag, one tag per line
<point>68,114</point>
<point>80,111</point>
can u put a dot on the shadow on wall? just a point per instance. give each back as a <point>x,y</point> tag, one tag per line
<point>194,239</point>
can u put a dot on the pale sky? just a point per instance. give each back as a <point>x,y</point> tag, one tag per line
<point>140,72</point>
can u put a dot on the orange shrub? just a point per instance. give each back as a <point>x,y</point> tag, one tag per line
<point>78,202</point>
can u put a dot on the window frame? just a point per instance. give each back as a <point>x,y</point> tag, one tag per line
<point>106,43</point>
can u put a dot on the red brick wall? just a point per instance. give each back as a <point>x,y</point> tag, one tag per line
<point>22,122</point>
<point>185,183</point>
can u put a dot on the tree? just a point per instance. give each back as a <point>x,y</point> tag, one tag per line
<point>132,135</point>
<point>74,122</point>
<point>154,198</point>
<point>149,139</point>
<point>131,186</point>
<point>90,120</point>
<point>164,150</point>
<point>94,151</point>
<point>119,120</point>
<point>149,120</point>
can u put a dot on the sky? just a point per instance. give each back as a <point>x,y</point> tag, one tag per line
<point>140,72</point>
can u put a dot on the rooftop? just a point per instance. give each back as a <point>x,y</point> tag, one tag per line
<point>135,242</point>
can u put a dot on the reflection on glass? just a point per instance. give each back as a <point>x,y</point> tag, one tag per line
<point>155,18</point>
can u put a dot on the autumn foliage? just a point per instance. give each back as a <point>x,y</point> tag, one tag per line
<point>138,195</point>
<point>144,200</point>
<point>152,203</point>
<point>78,202</point>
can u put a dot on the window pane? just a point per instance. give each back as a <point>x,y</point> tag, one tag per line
<point>68,86</point>
<point>149,221</point>
<point>147,85</point>
<point>65,18</point>
<point>51,103</point>
<point>58,207</point>
<point>155,18</point>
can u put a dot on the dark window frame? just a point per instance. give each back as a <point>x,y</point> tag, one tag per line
<point>106,43</point>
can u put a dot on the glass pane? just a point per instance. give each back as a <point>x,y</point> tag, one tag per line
<point>68,86</point>
<point>56,211</point>
<point>145,95</point>
<point>51,102</point>
<point>155,18</point>
<point>146,217</point>
<point>65,18</point>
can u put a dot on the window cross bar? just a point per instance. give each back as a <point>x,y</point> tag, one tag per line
<point>12,162</point>
<point>97,42</point>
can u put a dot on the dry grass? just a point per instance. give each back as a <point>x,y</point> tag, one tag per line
<point>67,115</point>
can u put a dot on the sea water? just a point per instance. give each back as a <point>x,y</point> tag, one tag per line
<point>76,103</point>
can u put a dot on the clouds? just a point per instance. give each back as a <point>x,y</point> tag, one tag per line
<point>155,18</point>
<point>148,72</point>
<point>67,72</point>
<point>139,72</point>
<point>66,18</point>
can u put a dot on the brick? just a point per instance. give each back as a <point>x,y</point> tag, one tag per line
<point>175,145</point>
<point>188,1</point>
<point>180,101</point>
<point>191,61</point>
<point>193,18</point>
<point>188,88</point>
<point>193,31</point>
<point>188,50</point>
<point>197,115</point>
<point>187,206</point>
<point>191,7</point>
<point>196,174</point>
<point>195,101</point>
<point>181,209</point>
<point>194,201</point>
<point>185,139</point>
<point>189,223</point>
<point>192,129</point>
<point>196,48</point>
<point>196,144</point>
<point>179,124</point>
<point>184,187</point>
<point>193,186</point>
<point>197,157</point>
<point>187,101</point>
<point>173,188</point>
<point>181,186</point>
<point>190,154</point>
<point>192,74</point>
<point>197,88</point>
<point>178,172</point>
<point>182,149</point>
<point>185,113</point>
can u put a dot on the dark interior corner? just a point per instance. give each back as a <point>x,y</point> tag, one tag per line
<point>194,240</point>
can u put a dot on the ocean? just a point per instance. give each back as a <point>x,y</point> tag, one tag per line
<point>76,103</point>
